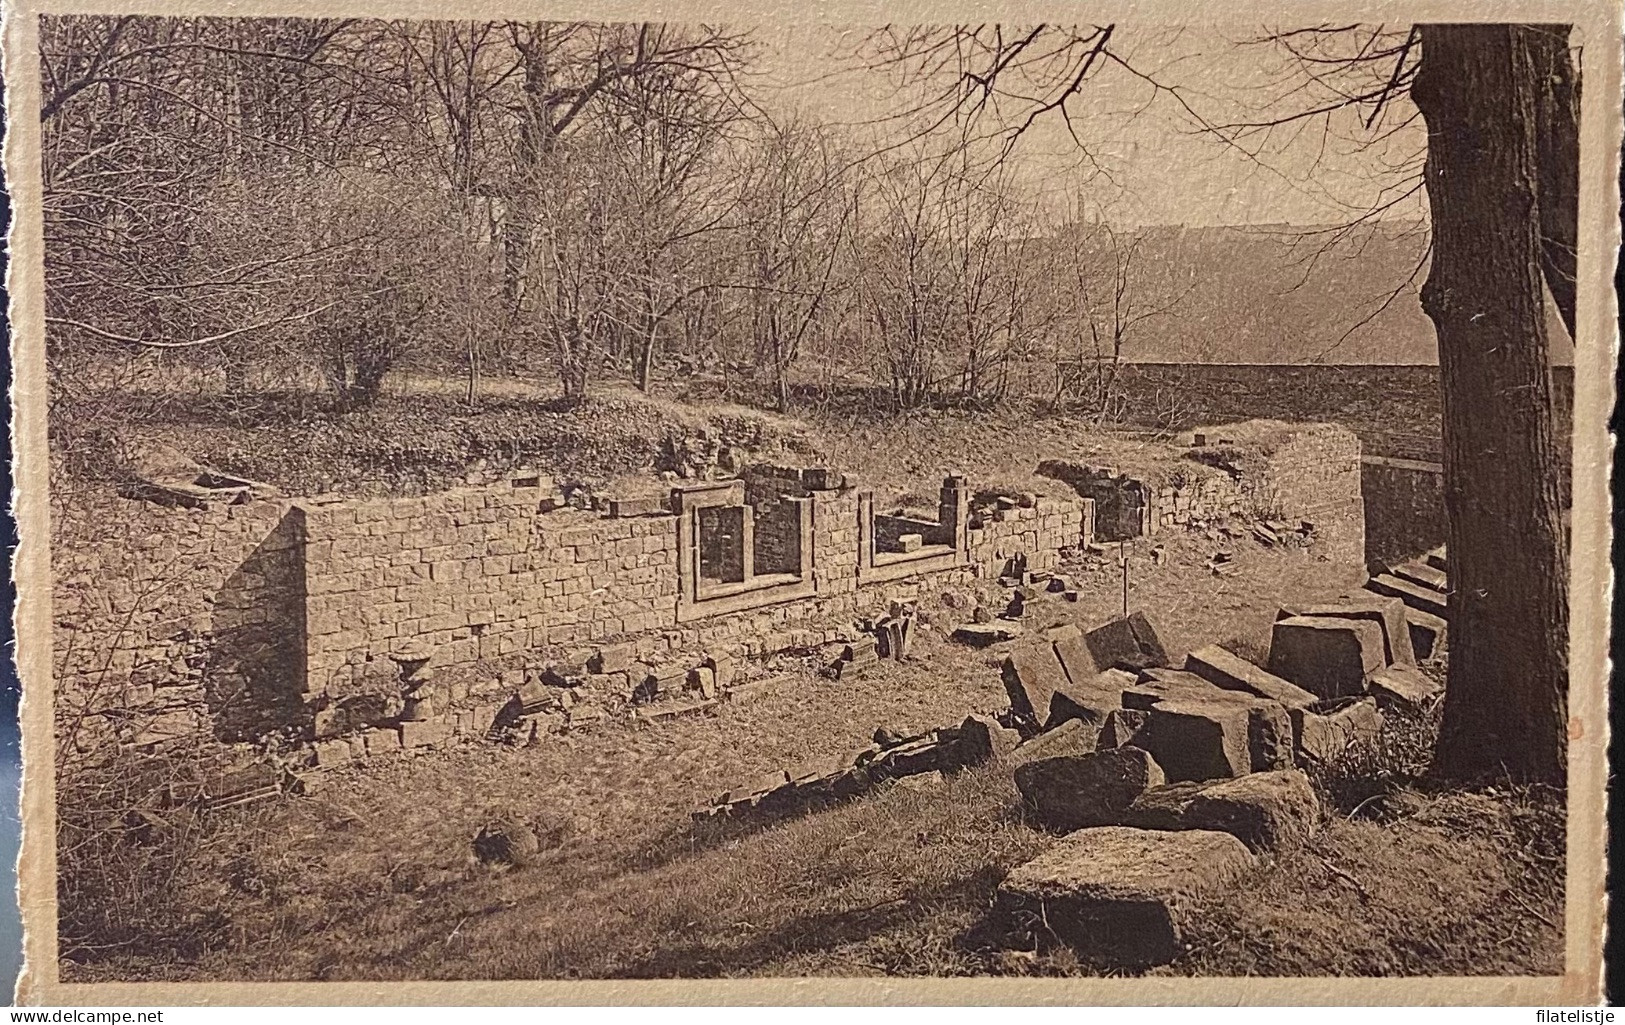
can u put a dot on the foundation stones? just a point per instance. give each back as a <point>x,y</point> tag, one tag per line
<point>1326,655</point>
<point>1078,791</point>
<point>1123,894</point>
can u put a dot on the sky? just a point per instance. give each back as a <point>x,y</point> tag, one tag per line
<point>1139,157</point>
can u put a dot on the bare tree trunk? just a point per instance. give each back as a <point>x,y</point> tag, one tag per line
<point>1506,702</point>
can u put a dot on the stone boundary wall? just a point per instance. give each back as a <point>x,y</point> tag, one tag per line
<point>1404,508</point>
<point>1395,409</point>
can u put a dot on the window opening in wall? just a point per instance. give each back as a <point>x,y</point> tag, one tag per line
<point>897,545</point>
<point>735,554</point>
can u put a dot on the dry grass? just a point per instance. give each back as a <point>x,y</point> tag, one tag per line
<point>372,876</point>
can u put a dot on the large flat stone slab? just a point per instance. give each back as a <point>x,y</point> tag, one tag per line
<point>1123,894</point>
<point>1232,672</point>
<point>1070,738</point>
<point>1032,674</point>
<point>1417,596</point>
<point>1325,655</point>
<point>1078,791</point>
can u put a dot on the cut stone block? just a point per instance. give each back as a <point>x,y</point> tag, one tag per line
<point>1123,726</point>
<point>910,542</point>
<point>1325,655</point>
<point>423,734</point>
<point>1070,738</point>
<point>1264,810</point>
<point>382,741</point>
<point>1164,807</point>
<point>1232,672</point>
<point>1438,558</point>
<point>982,635</point>
<point>1076,658</point>
<point>1090,702</point>
<point>1402,686</point>
<point>1200,739</point>
<point>622,508</point>
<point>1430,634</point>
<point>1074,792</point>
<point>1422,573</point>
<point>1327,731</point>
<point>1388,612</point>
<point>612,658</point>
<point>1128,643</point>
<point>983,739</point>
<point>332,752</point>
<point>1032,674</point>
<point>1156,685</point>
<point>1123,894</point>
<point>1415,595</point>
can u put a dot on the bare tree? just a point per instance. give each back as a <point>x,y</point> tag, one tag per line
<point>1501,172</point>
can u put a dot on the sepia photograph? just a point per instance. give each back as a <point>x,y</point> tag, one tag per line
<point>522,500</point>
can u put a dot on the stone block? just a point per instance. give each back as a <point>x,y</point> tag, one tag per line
<point>382,741</point>
<point>704,680</point>
<point>1389,612</point>
<point>910,542</point>
<point>1430,634</point>
<point>1032,674</point>
<point>1264,810</point>
<point>1077,791</point>
<point>1199,739</point>
<point>1164,807</point>
<point>1405,687</point>
<point>626,508</point>
<point>1423,574</point>
<point>1331,728</point>
<point>1325,655</point>
<point>983,739</point>
<point>1412,594</point>
<point>1075,657</point>
<point>612,658</point>
<point>1127,643</point>
<point>332,752</point>
<point>1122,727</point>
<point>822,478</point>
<point>423,734</point>
<point>1123,894</point>
<point>983,635</point>
<point>1070,738</point>
<point>1090,701</point>
<point>1232,672</point>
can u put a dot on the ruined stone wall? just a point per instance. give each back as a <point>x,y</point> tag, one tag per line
<point>478,574</point>
<point>1314,476</point>
<point>1404,508</point>
<point>170,622</point>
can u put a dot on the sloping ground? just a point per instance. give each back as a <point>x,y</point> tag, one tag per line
<point>370,878</point>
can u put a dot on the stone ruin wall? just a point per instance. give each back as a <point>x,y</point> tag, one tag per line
<point>240,620</point>
<point>1311,472</point>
